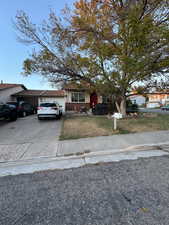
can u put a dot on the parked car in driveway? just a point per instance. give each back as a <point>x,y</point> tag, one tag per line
<point>8,111</point>
<point>23,108</point>
<point>49,110</point>
<point>166,108</point>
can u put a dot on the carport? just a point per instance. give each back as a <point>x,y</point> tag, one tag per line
<point>35,97</point>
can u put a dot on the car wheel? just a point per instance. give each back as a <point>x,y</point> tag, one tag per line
<point>13,116</point>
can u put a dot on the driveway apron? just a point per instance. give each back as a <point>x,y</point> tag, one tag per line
<point>28,138</point>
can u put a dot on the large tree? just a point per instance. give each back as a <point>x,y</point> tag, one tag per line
<point>110,44</point>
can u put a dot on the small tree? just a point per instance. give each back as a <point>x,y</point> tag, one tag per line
<point>112,45</point>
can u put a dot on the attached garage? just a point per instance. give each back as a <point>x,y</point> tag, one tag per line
<point>60,100</point>
<point>35,97</point>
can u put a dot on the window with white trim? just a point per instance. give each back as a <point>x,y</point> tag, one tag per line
<point>78,97</point>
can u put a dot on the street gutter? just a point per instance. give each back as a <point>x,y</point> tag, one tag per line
<point>79,160</point>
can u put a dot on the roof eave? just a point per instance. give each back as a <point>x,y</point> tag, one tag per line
<point>2,89</point>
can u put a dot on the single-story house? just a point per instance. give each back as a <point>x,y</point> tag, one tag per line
<point>137,99</point>
<point>78,97</point>
<point>156,99</point>
<point>71,97</point>
<point>36,97</point>
<point>7,91</point>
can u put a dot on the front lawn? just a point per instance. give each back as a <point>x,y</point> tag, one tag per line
<point>91,126</point>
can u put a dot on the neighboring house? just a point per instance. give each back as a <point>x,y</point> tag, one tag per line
<point>35,97</point>
<point>78,97</point>
<point>7,90</point>
<point>156,99</point>
<point>138,99</point>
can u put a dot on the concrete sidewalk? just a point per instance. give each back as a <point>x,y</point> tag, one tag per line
<point>114,142</point>
<point>78,153</point>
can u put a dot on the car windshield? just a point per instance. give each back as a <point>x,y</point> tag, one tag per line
<point>48,105</point>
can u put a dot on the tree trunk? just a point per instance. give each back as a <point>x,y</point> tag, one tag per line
<point>118,107</point>
<point>121,108</point>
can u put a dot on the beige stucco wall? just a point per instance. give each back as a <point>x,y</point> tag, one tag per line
<point>5,95</point>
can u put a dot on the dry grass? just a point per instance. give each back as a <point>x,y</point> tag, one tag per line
<point>91,126</point>
<point>82,127</point>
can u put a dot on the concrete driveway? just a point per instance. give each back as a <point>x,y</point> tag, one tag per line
<point>28,138</point>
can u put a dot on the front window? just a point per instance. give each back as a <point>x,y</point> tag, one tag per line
<point>78,97</point>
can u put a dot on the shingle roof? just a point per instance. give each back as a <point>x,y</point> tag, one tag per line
<point>43,93</point>
<point>5,86</point>
<point>74,86</point>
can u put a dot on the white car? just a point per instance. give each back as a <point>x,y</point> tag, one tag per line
<point>49,110</point>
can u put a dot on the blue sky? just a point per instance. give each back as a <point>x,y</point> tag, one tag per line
<point>12,53</point>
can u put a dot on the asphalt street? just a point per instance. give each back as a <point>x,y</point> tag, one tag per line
<point>120,193</point>
<point>153,110</point>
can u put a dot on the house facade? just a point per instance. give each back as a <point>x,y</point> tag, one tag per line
<point>77,97</point>
<point>138,99</point>
<point>71,98</point>
<point>18,92</point>
<point>157,99</point>
<point>7,91</point>
<point>36,97</point>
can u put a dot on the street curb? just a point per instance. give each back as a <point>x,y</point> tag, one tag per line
<point>111,142</point>
<point>75,161</point>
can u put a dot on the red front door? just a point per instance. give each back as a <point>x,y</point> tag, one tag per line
<point>93,99</point>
